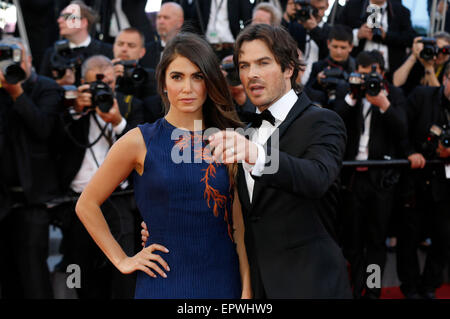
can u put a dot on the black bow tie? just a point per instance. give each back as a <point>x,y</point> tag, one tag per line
<point>256,119</point>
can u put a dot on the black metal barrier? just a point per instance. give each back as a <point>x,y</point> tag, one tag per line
<point>368,163</point>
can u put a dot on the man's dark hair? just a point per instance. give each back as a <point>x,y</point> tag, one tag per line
<point>279,42</point>
<point>367,58</point>
<point>341,33</point>
<point>135,30</point>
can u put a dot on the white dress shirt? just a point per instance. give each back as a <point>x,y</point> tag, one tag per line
<point>311,55</point>
<point>279,110</point>
<point>100,149</point>
<point>370,45</point>
<point>83,44</point>
<point>218,29</point>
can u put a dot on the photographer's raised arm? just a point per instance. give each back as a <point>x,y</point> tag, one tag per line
<point>38,113</point>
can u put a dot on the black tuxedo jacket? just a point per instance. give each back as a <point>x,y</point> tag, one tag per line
<point>71,154</point>
<point>387,130</point>
<point>26,129</point>
<point>94,48</point>
<point>286,240</point>
<point>238,10</point>
<point>399,35</point>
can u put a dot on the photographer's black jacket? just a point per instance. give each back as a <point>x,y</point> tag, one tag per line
<point>425,107</point>
<point>26,135</point>
<point>148,88</point>
<point>94,48</point>
<point>387,130</point>
<point>71,154</point>
<point>348,66</point>
<point>318,34</point>
<point>400,33</point>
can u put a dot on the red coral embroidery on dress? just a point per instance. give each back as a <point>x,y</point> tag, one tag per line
<point>210,193</point>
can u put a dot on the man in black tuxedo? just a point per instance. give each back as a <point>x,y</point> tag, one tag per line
<point>287,200</point>
<point>396,32</point>
<point>75,22</point>
<point>376,129</point>
<point>427,204</point>
<point>88,135</point>
<point>28,180</point>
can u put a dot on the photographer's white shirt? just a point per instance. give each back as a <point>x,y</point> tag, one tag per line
<point>99,150</point>
<point>370,45</point>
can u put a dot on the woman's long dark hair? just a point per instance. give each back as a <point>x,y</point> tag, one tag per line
<point>218,109</point>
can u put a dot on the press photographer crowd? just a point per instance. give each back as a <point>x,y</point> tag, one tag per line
<point>72,87</point>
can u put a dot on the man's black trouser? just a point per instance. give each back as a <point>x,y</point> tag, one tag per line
<point>99,278</point>
<point>23,254</point>
<point>423,214</point>
<point>366,214</point>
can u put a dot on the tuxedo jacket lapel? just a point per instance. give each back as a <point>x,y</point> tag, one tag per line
<point>299,107</point>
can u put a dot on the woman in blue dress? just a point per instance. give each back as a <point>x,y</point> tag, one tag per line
<point>185,196</point>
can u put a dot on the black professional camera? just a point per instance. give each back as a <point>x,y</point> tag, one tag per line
<point>361,83</point>
<point>133,71</point>
<point>431,50</point>
<point>65,58</point>
<point>306,11</point>
<point>437,133</point>
<point>377,35</point>
<point>10,58</point>
<point>102,95</point>
<point>232,74</point>
<point>333,76</point>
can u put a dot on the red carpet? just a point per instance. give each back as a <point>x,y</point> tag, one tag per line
<point>394,292</point>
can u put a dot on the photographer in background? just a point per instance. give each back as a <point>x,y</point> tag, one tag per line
<point>304,21</point>
<point>89,134</point>
<point>376,128</point>
<point>332,73</point>
<point>427,201</point>
<point>74,22</point>
<point>29,105</point>
<point>387,29</point>
<point>426,63</point>
<point>132,79</point>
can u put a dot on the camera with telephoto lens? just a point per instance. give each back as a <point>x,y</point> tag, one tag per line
<point>102,94</point>
<point>362,83</point>
<point>333,76</point>
<point>10,58</point>
<point>437,133</point>
<point>306,11</point>
<point>64,58</point>
<point>232,74</point>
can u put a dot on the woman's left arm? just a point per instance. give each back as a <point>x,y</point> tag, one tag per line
<point>238,234</point>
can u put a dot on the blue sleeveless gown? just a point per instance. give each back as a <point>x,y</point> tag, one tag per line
<point>187,208</point>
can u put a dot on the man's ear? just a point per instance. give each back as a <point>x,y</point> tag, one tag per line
<point>141,55</point>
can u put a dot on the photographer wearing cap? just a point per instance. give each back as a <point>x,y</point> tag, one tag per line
<point>376,128</point>
<point>29,104</point>
<point>132,78</point>
<point>63,60</point>
<point>304,21</point>
<point>427,200</point>
<point>426,63</point>
<point>99,119</point>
